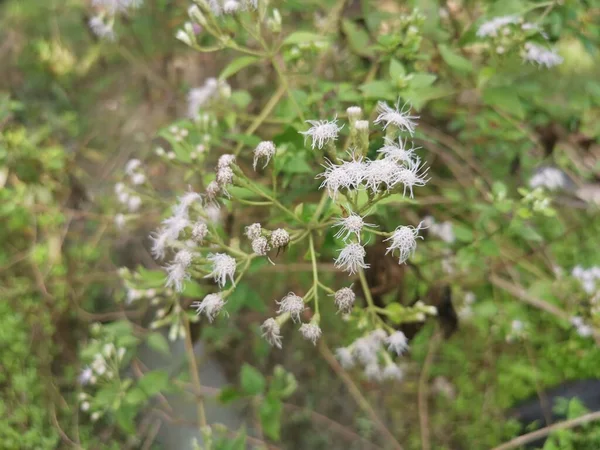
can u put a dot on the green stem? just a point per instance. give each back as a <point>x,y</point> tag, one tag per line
<point>194,373</point>
<point>313,257</point>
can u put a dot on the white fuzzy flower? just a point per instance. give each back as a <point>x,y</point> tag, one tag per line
<point>396,152</point>
<point>353,224</point>
<point>344,300</point>
<point>103,30</point>
<point>356,169</point>
<point>322,131</point>
<point>223,267</point>
<point>177,272</point>
<point>131,166</point>
<point>199,231</point>
<point>373,371</point>
<point>138,178</point>
<point>293,305</point>
<point>280,238</point>
<point>266,150</point>
<point>362,125</point>
<point>491,27</point>
<point>213,214</point>
<point>119,188</point>
<point>212,191</point>
<point>185,201</point>
<point>215,7</point>
<point>225,161</point>
<point>397,342</point>
<point>550,178</point>
<point>198,97</point>
<point>365,350</point>
<point>400,118</point>
<point>382,173</point>
<point>444,231</point>
<point>85,376</point>
<point>413,175</point>
<point>134,203</point>
<point>260,246</point>
<point>335,178</point>
<point>210,306</point>
<point>354,113</point>
<point>351,258</point>
<point>120,221</point>
<point>311,332</point>
<point>173,226</point>
<point>404,239</point>
<point>253,231</point>
<point>344,356</point>
<point>224,178</point>
<point>541,55</point>
<point>392,372</point>
<point>271,332</point>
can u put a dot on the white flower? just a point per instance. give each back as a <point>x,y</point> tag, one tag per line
<point>491,27</point>
<point>397,342</point>
<point>266,150</point>
<point>198,97</point>
<point>138,178</point>
<point>344,356</point>
<point>253,231</point>
<point>85,376</point>
<point>120,221</point>
<point>185,201</point>
<point>365,350</point>
<point>199,231</point>
<point>173,226</point>
<point>225,161</point>
<point>280,238</point>
<point>351,258</point>
<point>410,176</point>
<point>379,335</point>
<point>362,125</point>
<point>231,6</point>
<point>335,178</point>
<point>404,240</point>
<point>134,203</point>
<point>354,113</point>
<point>212,190</point>
<point>224,176</point>
<point>550,178</point>
<point>392,372</point>
<point>344,300</point>
<point>215,7</point>
<point>177,272</point>
<point>356,170</point>
<point>211,306</point>
<point>310,332</point>
<point>292,304</point>
<point>271,332</point>
<point>101,29</point>
<point>223,267</point>
<point>353,224</point>
<point>322,131</point>
<point>382,172</point>
<point>542,56</point>
<point>213,213</point>
<point>85,406</point>
<point>131,166</point>
<point>400,118</point>
<point>373,371</point>
<point>398,153</point>
<point>260,246</point>
<point>119,188</point>
<point>443,230</point>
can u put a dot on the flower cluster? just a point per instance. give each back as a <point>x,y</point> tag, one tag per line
<point>126,195</point>
<point>512,31</point>
<point>102,23</point>
<point>212,89</point>
<point>443,230</point>
<point>369,352</point>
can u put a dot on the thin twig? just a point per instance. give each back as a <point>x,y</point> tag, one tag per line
<point>543,432</point>
<point>193,365</point>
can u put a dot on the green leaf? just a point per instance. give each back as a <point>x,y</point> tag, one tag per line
<point>303,37</point>
<point>421,80</point>
<point>244,296</point>
<point>463,233</point>
<point>396,69</point>
<point>358,38</point>
<point>270,417</point>
<point>379,89</point>
<point>236,65</point>
<point>125,417</point>
<point>454,60</point>
<point>229,394</point>
<point>154,382</point>
<point>252,381</point>
<point>505,99</point>
<point>156,341</point>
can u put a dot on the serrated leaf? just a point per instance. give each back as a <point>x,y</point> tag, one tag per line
<point>454,60</point>
<point>236,65</point>
<point>251,380</point>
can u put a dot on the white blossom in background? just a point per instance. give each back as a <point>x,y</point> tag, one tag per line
<point>397,117</point>
<point>373,371</point>
<point>102,28</point>
<point>132,165</point>
<point>310,332</point>
<point>210,306</point>
<point>213,214</point>
<point>344,299</point>
<point>365,350</point>
<point>271,332</point>
<point>581,327</point>
<point>353,224</point>
<point>392,372</point>
<point>185,201</point>
<point>215,7</point>
<point>293,305</point>
<point>168,233</point>
<point>199,232</point>
<point>443,230</point>
<point>120,221</point>
<point>265,150</point>
<point>589,278</point>
<point>550,178</point>
<point>352,258</point>
<point>253,231</point>
<point>177,271</point>
<point>134,203</point>
<point>397,342</point>
<point>223,267</point>
<point>491,27</point>
<point>231,6</point>
<point>335,178</point>
<point>212,191</point>
<point>201,96</point>
<point>344,356</point>
<point>404,239</point>
<point>541,56</point>
<point>321,132</point>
